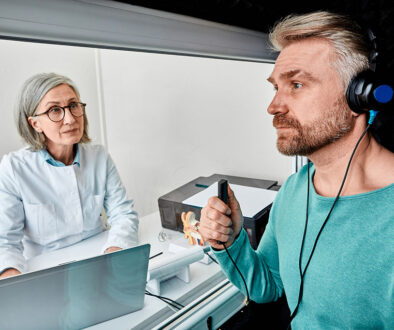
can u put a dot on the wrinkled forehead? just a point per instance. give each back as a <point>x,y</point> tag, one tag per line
<point>312,56</point>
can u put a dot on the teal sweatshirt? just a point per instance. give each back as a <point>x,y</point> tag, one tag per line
<point>349,282</point>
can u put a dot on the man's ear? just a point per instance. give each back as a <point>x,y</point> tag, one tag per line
<point>353,114</point>
<point>35,124</point>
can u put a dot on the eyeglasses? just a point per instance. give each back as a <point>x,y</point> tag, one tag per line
<point>57,112</point>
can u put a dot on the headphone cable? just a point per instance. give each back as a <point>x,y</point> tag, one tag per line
<point>168,301</point>
<point>243,279</point>
<point>302,273</point>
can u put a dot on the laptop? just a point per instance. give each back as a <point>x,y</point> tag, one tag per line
<point>77,294</point>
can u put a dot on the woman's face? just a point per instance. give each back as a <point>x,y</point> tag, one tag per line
<point>65,132</point>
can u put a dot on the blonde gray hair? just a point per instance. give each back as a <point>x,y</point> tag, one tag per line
<point>31,94</point>
<point>346,37</point>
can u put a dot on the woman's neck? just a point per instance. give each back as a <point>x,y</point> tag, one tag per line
<point>64,154</point>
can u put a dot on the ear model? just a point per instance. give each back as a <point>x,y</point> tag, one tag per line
<point>369,91</point>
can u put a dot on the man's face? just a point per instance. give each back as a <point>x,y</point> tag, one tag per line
<point>309,108</point>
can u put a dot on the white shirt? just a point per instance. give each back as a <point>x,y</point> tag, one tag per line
<point>47,207</point>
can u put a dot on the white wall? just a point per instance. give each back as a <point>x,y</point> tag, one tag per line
<point>167,119</point>
<point>173,118</point>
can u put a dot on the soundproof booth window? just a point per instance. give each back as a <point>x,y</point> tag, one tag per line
<point>164,119</point>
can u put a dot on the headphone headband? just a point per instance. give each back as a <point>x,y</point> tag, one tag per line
<point>373,54</point>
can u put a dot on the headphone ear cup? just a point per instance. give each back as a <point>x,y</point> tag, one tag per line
<point>351,95</point>
<point>359,92</point>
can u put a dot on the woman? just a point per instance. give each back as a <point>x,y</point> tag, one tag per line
<point>52,192</point>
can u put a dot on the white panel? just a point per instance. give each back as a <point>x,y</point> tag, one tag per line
<point>172,118</point>
<point>20,60</point>
<point>108,24</point>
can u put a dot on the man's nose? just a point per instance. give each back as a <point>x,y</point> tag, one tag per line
<point>278,104</point>
<point>68,117</point>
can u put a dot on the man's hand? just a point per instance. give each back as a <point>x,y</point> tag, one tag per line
<point>221,222</point>
<point>112,249</point>
<point>10,272</point>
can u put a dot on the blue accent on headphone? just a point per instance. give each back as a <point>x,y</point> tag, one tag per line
<point>383,93</point>
<point>372,115</point>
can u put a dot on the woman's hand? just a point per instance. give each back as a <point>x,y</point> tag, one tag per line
<point>10,272</point>
<point>112,249</point>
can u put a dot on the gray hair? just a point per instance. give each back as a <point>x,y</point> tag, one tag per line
<point>31,94</point>
<point>344,35</point>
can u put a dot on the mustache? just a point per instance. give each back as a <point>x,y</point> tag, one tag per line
<point>282,120</point>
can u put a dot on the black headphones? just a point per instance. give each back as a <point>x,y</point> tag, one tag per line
<point>368,90</point>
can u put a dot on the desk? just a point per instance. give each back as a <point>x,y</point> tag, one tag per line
<point>208,296</point>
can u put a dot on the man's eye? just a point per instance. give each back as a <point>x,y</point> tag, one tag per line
<point>297,85</point>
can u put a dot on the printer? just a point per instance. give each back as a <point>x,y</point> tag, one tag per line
<point>172,204</point>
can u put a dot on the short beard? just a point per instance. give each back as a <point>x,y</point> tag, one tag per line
<point>330,127</point>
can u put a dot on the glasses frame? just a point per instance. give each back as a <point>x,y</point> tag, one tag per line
<point>64,111</point>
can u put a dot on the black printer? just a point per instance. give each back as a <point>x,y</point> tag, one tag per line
<point>171,206</point>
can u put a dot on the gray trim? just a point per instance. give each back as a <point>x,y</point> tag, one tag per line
<point>113,25</point>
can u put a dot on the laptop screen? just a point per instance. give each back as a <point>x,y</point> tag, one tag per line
<point>78,294</point>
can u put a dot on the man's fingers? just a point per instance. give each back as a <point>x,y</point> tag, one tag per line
<point>218,217</point>
<point>214,215</point>
<point>217,227</point>
<point>215,222</point>
<point>216,203</point>
<point>215,236</point>
<point>211,230</point>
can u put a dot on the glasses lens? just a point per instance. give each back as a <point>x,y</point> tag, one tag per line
<point>56,114</point>
<point>76,109</point>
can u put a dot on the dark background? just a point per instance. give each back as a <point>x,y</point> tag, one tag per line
<point>260,15</point>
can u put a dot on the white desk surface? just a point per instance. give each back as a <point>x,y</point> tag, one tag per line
<point>202,277</point>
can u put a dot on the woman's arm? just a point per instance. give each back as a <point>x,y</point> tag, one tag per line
<point>120,213</point>
<point>12,219</point>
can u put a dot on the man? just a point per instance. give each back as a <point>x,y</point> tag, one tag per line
<point>346,245</point>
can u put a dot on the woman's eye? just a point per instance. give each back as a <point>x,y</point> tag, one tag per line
<point>55,109</point>
<point>73,105</point>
